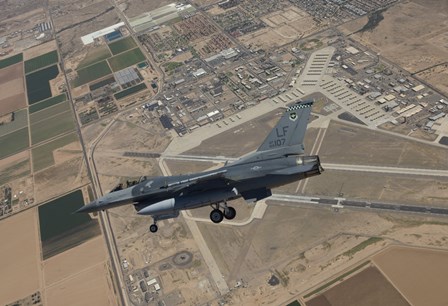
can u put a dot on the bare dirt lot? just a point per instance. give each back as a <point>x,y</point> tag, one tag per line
<point>126,167</point>
<point>437,76</point>
<point>39,50</point>
<point>14,167</point>
<point>90,286</point>
<point>12,89</point>
<point>135,8</point>
<point>369,147</point>
<point>243,250</point>
<point>368,288</point>
<point>20,253</point>
<point>420,274</point>
<point>285,26</point>
<point>125,136</point>
<point>411,34</point>
<point>71,21</point>
<point>62,178</point>
<point>184,167</point>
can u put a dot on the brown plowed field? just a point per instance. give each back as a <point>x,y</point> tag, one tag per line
<point>20,255</point>
<point>12,89</point>
<point>367,288</point>
<point>420,274</point>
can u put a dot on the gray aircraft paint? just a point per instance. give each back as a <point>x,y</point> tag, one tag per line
<point>278,161</point>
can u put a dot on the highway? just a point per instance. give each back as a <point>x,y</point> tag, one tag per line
<point>104,218</point>
<point>91,173</point>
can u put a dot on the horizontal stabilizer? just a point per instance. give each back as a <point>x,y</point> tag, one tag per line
<point>256,194</point>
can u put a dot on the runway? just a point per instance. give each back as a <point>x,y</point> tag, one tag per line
<point>328,166</point>
<point>339,203</point>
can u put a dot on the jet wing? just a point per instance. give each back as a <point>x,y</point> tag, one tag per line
<point>197,179</point>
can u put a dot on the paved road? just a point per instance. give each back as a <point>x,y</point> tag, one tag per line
<point>91,173</point>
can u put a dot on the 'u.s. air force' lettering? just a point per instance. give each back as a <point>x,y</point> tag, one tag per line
<point>281,133</point>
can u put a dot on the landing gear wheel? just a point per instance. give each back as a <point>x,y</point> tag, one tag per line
<point>216,216</point>
<point>153,228</point>
<point>229,213</point>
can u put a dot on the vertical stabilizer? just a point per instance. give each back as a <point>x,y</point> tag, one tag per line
<point>290,129</point>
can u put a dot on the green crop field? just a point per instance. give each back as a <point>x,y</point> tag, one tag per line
<point>14,142</point>
<point>11,60</point>
<point>126,59</point>
<point>49,112</point>
<point>37,84</point>
<point>20,121</point>
<point>130,91</point>
<point>60,228</point>
<point>52,127</point>
<point>47,103</point>
<point>41,61</point>
<point>122,45</point>
<point>92,72</point>
<point>43,154</point>
<point>101,83</point>
<point>94,56</point>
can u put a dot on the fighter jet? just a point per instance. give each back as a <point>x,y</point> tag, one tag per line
<point>278,161</point>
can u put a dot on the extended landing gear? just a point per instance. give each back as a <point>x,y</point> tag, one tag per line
<point>217,215</point>
<point>229,213</point>
<point>153,228</point>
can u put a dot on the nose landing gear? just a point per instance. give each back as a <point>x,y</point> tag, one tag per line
<point>153,228</point>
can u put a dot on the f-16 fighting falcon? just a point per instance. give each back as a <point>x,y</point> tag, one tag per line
<point>278,161</point>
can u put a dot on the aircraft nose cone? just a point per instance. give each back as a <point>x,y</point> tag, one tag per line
<point>91,207</point>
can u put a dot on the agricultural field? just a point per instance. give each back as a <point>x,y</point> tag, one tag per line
<point>48,128</point>
<point>20,273</point>
<point>12,89</point>
<point>369,287</point>
<point>37,84</point>
<point>92,72</point>
<point>60,229</point>
<point>122,45</point>
<point>94,56</point>
<point>49,112</point>
<point>41,61</point>
<point>43,154</point>
<point>11,60</point>
<point>20,121</point>
<point>14,142</point>
<point>411,268</point>
<point>126,59</point>
<point>101,83</point>
<point>130,91</point>
<point>47,103</point>
<point>14,167</point>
